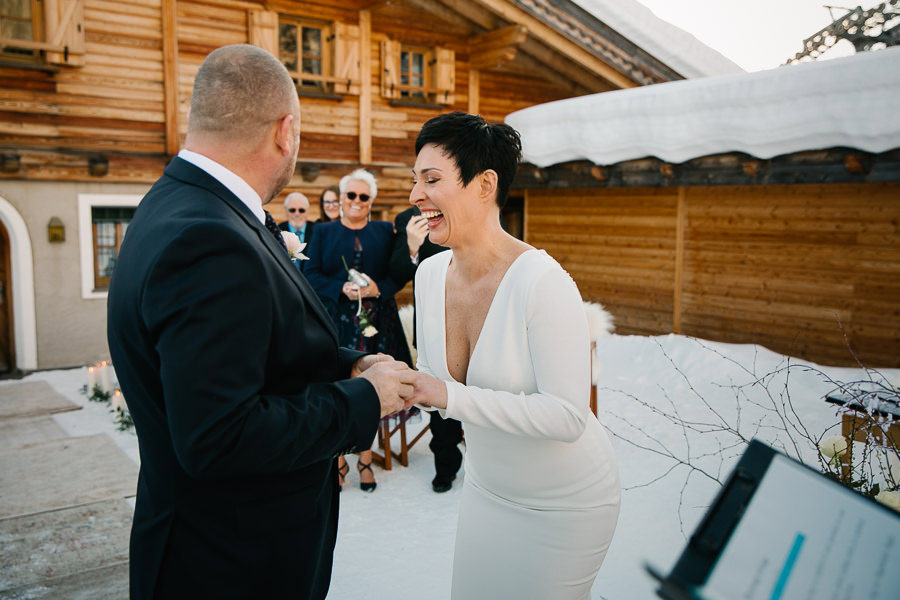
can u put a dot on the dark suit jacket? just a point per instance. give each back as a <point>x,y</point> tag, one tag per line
<point>231,369</point>
<point>325,269</point>
<point>310,227</point>
<point>402,268</point>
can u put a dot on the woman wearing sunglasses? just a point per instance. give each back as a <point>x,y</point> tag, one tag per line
<point>348,267</point>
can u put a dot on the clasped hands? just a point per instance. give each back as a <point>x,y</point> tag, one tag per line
<point>399,387</point>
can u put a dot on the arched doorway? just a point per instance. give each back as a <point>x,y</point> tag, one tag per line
<point>7,348</point>
<point>18,284</point>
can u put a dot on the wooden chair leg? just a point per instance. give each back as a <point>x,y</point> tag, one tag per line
<point>404,449</point>
<point>387,444</point>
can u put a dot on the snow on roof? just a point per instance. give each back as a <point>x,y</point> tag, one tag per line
<point>844,102</point>
<point>669,44</point>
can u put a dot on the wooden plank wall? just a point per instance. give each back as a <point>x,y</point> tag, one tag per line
<point>794,268</point>
<point>619,248</point>
<point>114,103</point>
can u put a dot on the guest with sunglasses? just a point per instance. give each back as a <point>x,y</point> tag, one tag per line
<point>330,204</point>
<point>364,311</point>
<point>296,206</point>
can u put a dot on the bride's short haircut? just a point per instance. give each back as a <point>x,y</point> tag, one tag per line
<point>475,146</point>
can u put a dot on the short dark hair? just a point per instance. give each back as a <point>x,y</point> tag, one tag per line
<point>475,146</point>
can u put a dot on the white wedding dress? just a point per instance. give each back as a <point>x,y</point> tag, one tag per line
<point>541,494</point>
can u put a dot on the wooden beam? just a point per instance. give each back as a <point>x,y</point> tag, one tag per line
<point>474,91</point>
<point>365,93</point>
<point>496,48</point>
<point>442,13</point>
<point>473,12</point>
<point>562,66</point>
<point>170,73</point>
<point>555,40</point>
<point>679,260</point>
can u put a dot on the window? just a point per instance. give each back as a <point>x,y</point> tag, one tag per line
<point>414,66</point>
<point>33,30</point>
<point>19,22</point>
<point>103,221</point>
<point>304,49</point>
<point>416,74</point>
<point>109,225</point>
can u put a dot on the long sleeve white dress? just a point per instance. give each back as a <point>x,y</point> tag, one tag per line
<point>541,494</point>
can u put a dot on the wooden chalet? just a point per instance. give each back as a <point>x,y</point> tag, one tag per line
<point>94,94</point>
<point>755,208</point>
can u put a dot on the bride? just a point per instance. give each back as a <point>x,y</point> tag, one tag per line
<point>503,347</point>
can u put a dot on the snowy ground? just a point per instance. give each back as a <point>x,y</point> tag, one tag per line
<point>397,542</point>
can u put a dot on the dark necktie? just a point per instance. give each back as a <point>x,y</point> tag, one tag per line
<point>273,228</point>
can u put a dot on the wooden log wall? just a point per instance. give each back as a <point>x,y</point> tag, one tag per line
<point>128,102</point>
<point>801,269</point>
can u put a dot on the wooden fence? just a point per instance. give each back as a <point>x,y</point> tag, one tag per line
<point>811,270</point>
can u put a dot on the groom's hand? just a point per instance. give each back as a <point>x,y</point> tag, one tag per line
<point>367,361</point>
<point>392,381</point>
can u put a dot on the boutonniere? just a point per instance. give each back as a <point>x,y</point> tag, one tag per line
<point>362,314</point>
<point>294,246</point>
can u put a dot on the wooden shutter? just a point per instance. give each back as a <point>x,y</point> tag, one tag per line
<point>390,69</point>
<point>263,25</point>
<point>445,75</point>
<point>64,26</point>
<point>346,58</point>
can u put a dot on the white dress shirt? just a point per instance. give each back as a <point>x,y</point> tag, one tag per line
<point>233,182</point>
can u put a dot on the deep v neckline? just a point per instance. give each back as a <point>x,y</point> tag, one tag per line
<point>487,316</point>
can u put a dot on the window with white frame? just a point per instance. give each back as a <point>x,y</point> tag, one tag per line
<point>103,221</point>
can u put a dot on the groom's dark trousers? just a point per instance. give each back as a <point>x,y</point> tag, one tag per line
<point>232,372</point>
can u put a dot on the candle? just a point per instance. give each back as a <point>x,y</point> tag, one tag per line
<point>92,379</point>
<point>105,379</point>
<point>118,402</point>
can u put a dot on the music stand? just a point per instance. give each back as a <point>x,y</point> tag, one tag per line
<point>780,530</point>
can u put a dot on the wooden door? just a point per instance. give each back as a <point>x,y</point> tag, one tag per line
<point>7,360</point>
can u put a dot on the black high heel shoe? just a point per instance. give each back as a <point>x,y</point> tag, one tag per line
<point>366,487</point>
<point>342,475</point>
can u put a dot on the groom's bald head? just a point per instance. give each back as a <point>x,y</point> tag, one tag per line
<point>239,91</point>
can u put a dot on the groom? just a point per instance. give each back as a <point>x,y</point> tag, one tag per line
<point>241,398</point>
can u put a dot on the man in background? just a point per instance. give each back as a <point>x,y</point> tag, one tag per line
<point>296,205</point>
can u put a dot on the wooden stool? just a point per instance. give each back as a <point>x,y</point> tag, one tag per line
<point>384,459</point>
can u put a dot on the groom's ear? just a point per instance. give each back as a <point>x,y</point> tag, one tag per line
<point>283,134</point>
<point>488,181</point>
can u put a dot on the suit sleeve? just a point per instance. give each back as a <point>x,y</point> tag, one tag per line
<point>208,306</point>
<point>401,267</point>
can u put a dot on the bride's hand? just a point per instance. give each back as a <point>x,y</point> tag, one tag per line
<point>428,391</point>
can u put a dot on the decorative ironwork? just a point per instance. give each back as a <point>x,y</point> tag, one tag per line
<point>869,29</point>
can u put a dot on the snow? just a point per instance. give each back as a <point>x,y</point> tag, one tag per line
<point>397,543</point>
<point>671,45</point>
<point>844,102</point>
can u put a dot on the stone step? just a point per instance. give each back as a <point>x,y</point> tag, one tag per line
<point>40,548</point>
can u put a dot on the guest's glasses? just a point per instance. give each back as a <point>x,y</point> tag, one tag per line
<point>297,210</point>
<point>362,197</point>
<point>331,202</point>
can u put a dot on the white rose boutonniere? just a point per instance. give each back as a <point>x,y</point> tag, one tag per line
<point>294,246</point>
